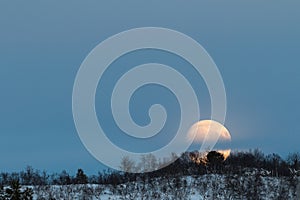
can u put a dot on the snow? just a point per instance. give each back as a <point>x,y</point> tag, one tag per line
<point>209,186</point>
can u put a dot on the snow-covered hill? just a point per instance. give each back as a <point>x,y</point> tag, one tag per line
<point>211,186</point>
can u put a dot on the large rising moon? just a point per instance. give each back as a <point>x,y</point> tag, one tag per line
<point>210,130</point>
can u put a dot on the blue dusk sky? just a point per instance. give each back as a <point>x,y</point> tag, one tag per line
<point>255,44</point>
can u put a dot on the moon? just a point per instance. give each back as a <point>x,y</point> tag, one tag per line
<point>210,130</point>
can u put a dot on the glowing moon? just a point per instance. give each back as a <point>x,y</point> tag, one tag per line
<point>210,131</point>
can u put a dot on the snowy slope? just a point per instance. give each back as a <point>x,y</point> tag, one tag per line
<point>211,186</point>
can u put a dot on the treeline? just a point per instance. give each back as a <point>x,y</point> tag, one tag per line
<point>31,176</point>
<point>238,163</point>
<point>189,163</point>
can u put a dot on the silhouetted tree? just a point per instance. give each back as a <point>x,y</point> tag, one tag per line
<point>4,178</point>
<point>14,192</point>
<point>127,165</point>
<point>274,161</point>
<point>64,178</point>
<point>148,163</point>
<point>27,176</point>
<point>44,178</point>
<point>81,178</point>
<point>293,160</point>
<point>214,160</point>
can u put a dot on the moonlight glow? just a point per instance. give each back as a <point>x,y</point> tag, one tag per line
<point>210,130</point>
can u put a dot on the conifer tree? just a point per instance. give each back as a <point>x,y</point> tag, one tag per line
<point>81,178</point>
